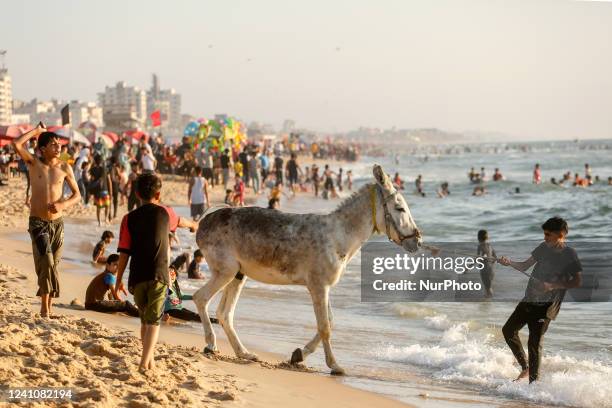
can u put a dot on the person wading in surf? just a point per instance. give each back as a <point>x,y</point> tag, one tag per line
<point>557,268</point>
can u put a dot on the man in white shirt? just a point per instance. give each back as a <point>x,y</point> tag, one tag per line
<point>148,161</point>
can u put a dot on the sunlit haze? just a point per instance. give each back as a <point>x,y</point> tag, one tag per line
<point>528,69</point>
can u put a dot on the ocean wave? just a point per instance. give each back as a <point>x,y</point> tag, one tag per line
<point>473,358</point>
<point>412,311</point>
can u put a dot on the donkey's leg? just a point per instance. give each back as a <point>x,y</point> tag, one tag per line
<point>202,298</point>
<point>225,314</point>
<point>320,301</point>
<point>300,355</point>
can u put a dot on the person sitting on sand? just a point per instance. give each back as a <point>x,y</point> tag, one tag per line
<point>557,268</point>
<point>173,306</point>
<point>487,273</point>
<point>98,252</point>
<point>46,226</point>
<point>104,284</point>
<point>193,271</point>
<point>610,181</point>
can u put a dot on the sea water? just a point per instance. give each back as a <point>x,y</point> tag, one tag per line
<point>452,354</point>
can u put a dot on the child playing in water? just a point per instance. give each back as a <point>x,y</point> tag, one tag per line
<point>193,271</point>
<point>486,251</point>
<point>98,252</point>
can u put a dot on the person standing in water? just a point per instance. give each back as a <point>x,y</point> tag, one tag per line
<point>46,225</point>
<point>486,251</point>
<point>197,194</point>
<point>557,268</point>
<point>537,174</point>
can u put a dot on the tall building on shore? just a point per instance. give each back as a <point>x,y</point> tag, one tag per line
<point>47,112</point>
<point>6,97</point>
<point>85,112</point>
<point>125,103</point>
<point>167,101</point>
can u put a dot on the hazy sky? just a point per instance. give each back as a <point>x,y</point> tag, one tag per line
<point>532,69</point>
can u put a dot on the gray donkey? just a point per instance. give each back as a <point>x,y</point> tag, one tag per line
<point>295,249</point>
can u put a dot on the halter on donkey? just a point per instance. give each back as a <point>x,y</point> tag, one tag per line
<point>304,249</point>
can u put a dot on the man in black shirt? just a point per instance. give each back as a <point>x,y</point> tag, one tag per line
<point>225,167</point>
<point>557,268</point>
<point>278,168</point>
<point>143,236</point>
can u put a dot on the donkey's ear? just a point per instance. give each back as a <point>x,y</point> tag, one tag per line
<point>381,177</point>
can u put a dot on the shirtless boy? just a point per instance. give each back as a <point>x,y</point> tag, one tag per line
<point>46,225</point>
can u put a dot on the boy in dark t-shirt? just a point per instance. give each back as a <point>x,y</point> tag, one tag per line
<point>144,237</point>
<point>557,268</point>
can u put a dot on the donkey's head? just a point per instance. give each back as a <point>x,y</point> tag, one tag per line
<point>397,222</point>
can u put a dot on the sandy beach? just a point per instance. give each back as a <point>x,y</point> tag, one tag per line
<point>97,354</point>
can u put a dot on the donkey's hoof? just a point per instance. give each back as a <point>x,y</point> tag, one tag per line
<point>297,356</point>
<point>208,350</point>
<point>249,356</point>
<point>337,371</point>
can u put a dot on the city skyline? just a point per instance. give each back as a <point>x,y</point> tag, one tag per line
<point>529,70</point>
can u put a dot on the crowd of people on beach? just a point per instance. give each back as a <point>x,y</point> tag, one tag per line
<point>147,230</point>
<point>106,177</point>
<point>129,174</point>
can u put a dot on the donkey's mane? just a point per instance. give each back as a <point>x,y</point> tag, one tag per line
<point>349,201</point>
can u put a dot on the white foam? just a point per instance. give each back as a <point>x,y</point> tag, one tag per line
<point>439,322</point>
<point>473,358</point>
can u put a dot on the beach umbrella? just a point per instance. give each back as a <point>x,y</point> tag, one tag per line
<point>10,132</point>
<point>107,140</point>
<point>112,136</point>
<point>136,135</point>
<point>78,137</point>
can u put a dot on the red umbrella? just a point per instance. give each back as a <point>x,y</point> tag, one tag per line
<point>136,135</point>
<point>112,136</point>
<point>10,132</point>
